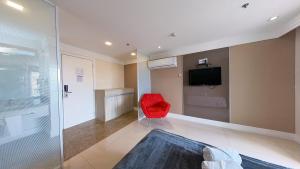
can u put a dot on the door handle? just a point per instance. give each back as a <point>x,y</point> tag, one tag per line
<point>66,90</point>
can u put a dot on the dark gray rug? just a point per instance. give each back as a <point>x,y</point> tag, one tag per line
<point>163,150</point>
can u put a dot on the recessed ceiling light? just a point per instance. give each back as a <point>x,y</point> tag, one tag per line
<point>273,18</point>
<point>108,43</point>
<point>132,53</point>
<point>159,47</point>
<point>14,5</point>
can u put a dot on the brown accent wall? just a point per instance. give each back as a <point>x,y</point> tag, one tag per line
<point>168,82</point>
<point>130,79</point>
<point>297,83</point>
<point>262,78</point>
<point>210,102</point>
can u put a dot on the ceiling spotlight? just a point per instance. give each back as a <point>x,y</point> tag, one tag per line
<point>245,5</point>
<point>273,18</point>
<point>14,5</point>
<point>133,54</point>
<point>159,47</point>
<point>108,43</point>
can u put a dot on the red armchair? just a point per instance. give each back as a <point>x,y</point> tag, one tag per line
<point>154,106</point>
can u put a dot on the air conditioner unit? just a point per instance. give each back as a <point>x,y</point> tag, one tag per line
<point>163,63</point>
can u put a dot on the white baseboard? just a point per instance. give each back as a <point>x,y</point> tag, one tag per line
<point>267,132</point>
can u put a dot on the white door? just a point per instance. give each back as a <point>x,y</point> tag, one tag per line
<point>78,89</point>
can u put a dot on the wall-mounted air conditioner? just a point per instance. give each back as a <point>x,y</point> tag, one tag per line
<point>163,63</point>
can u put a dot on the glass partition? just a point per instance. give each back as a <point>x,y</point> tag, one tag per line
<point>29,99</point>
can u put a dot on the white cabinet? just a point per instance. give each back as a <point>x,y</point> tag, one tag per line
<point>112,103</point>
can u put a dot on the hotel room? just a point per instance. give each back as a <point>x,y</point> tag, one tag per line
<point>149,84</point>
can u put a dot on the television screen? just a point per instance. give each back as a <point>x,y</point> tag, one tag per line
<point>205,76</point>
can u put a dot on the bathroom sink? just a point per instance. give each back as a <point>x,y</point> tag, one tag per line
<point>19,123</point>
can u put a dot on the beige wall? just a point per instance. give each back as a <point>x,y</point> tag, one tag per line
<point>297,83</point>
<point>168,82</point>
<point>108,75</point>
<point>262,84</point>
<point>130,78</point>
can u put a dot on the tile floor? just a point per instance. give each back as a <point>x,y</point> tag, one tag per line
<point>106,153</point>
<point>83,136</point>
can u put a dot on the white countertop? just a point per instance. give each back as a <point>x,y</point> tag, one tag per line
<point>34,111</point>
<point>118,91</point>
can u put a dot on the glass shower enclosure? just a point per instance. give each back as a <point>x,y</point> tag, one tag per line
<point>30,132</point>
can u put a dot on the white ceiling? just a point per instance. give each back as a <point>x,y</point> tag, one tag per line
<point>146,24</point>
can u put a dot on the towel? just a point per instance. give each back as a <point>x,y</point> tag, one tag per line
<point>215,154</point>
<point>220,165</point>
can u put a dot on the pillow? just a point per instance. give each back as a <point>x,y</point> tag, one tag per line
<point>215,154</point>
<point>220,165</point>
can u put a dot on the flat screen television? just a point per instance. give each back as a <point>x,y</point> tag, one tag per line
<point>205,76</point>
